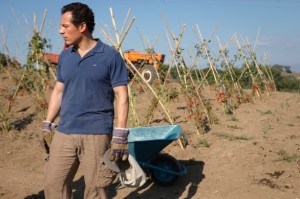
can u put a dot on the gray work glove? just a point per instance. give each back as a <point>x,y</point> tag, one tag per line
<point>48,129</point>
<point>119,144</point>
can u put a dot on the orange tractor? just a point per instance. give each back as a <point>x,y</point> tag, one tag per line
<point>147,63</point>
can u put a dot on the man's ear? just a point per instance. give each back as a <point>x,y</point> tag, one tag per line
<point>82,27</point>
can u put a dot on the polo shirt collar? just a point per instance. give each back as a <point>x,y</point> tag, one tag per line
<point>98,48</point>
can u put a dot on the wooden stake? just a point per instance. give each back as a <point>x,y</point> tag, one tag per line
<point>214,71</point>
<point>43,21</point>
<point>21,26</point>
<point>114,26</point>
<point>34,23</point>
<point>248,67</point>
<point>125,34</point>
<point>128,12</point>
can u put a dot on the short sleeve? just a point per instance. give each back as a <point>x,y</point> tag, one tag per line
<point>58,72</point>
<point>118,71</point>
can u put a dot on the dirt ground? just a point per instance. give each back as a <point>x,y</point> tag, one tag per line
<point>252,153</point>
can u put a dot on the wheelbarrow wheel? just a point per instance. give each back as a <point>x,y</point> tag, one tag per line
<point>149,73</point>
<point>168,163</point>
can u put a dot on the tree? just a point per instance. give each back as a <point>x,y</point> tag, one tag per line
<point>5,61</point>
<point>282,68</point>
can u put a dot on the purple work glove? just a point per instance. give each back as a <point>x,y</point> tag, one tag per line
<point>119,144</point>
<point>48,129</point>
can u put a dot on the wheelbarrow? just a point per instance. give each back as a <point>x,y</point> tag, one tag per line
<point>145,145</point>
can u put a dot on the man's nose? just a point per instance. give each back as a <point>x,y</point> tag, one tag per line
<point>60,30</point>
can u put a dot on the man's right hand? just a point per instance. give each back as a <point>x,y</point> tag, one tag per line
<point>48,129</point>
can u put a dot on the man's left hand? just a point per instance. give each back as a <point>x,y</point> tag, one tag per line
<point>119,144</point>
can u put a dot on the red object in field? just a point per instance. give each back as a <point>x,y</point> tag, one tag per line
<point>51,57</point>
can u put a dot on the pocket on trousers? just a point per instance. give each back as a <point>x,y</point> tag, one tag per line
<point>105,176</point>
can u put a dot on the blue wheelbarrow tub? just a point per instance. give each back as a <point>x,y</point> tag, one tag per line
<point>145,142</point>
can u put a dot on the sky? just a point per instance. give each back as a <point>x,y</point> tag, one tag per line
<point>270,27</point>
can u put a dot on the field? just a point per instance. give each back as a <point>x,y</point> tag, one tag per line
<point>252,153</point>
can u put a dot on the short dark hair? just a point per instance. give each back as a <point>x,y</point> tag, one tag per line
<point>80,13</point>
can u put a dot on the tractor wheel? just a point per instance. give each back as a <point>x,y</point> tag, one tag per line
<point>149,73</point>
<point>168,163</point>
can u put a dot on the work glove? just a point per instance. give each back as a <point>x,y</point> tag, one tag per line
<point>119,144</point>
<point>48,129</point>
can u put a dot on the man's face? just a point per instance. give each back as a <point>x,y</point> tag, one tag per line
<point>70,33</point>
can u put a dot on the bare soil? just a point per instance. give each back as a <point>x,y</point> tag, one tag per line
<point>252,153</point>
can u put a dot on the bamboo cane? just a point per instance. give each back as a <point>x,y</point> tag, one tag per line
<point>214,71</point>
<point>114,26</point>
<point>177,51</point>
<point>173,52</point>
<point>154,103</point>
<point>236,83</point>
<point>21,25</point>
<point>260,73</point>
<point>48,27</point>
<point>247,65</point>
<point>142,38</point>
<point>269,71</point>
<point>176,42</point>
<point>17,89</point>
<point>108,30</point>
<point>254,46</point>
<point>251,52</point>
<point>123,37</point>
<point>43,21</point>
<point>126,18</point>
<point>193,66</point>
<point>27,25</point>
<point>151,89</point>
<point>105,34</point>
<point>131,103</point>
<point>34,23</point>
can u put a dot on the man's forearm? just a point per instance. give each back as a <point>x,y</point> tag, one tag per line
<point>122,106</point>
<point>54,103</point>
<point>53,111</point>
<point>122,114</point>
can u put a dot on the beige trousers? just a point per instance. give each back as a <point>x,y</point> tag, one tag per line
<point>67,151</point>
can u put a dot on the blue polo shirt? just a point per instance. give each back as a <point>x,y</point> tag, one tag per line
<point>88,98</point>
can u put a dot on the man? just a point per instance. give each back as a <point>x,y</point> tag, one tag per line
<point>90,75</point>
